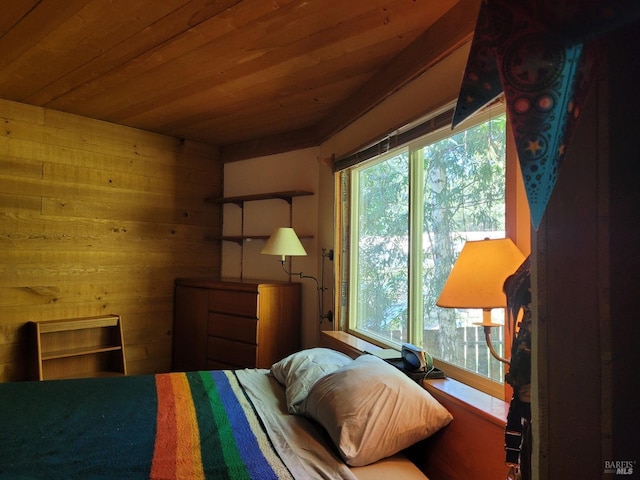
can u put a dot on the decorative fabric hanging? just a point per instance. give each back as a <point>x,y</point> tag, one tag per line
<point>540,54</point>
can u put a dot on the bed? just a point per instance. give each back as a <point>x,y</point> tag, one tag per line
<point>309,416</point>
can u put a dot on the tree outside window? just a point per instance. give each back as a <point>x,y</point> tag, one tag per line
<point>429,198</point>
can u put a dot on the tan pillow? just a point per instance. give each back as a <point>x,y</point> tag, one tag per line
<point>371,410</point>
<point>300,370</point>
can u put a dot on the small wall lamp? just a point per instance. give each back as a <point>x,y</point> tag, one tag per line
<point>285,242</point>
<point>477,279</point>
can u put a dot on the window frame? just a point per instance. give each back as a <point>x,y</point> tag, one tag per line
<point>416,193</point>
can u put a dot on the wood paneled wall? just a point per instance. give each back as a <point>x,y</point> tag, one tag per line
<point>98,218</point>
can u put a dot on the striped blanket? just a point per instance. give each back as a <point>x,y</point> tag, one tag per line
<point>196,425</point>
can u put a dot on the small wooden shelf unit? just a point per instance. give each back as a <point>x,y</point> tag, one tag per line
<point>79,347</point>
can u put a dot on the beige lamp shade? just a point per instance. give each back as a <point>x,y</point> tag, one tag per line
<point>478,276</point>
<point>284,242</point>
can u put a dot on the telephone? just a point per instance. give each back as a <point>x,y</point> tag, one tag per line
<point>414,359</point>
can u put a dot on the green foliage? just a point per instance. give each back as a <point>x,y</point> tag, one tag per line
<point>464,180</point>
<point>469,200</point>
<point>383,222</point>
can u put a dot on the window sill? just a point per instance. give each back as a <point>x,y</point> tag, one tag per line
<point>482,404</point>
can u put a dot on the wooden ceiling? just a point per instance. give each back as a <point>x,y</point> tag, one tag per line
<point>252,76</point>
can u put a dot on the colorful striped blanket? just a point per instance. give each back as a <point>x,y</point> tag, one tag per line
<point>196,425</point>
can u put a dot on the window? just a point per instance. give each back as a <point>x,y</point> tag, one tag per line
<point>412,209</point>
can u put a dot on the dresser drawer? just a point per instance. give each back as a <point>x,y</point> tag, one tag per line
<point>233,327</point>
<point>231,352</point>
<point>235,303</point>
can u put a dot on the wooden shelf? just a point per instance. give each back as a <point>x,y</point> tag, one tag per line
<point>239,239</point>
<point>94,374</point>
<point>78,347</point>
<point>74,352</point>
<point>287,196</point>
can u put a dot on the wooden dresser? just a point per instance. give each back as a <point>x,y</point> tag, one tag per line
<point>234,323</point>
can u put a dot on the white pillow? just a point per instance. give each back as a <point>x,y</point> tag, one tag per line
<point>299,371</point>
<point>372,410</point>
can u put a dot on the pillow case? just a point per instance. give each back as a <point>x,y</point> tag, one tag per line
<point>300,370</point>
<point>372,410</point>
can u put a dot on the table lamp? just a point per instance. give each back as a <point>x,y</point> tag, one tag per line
<point>285,242</point>
<point>477,279</point>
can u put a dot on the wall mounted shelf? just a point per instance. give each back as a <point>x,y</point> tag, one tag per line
<point>240,200</point>
<point>239,239</point>
<point>287,196</point>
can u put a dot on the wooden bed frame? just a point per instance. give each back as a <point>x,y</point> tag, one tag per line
<point>471,446</point>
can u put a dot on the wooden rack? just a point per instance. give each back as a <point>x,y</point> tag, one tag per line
<point>287,196</point>
<point>79,347</point>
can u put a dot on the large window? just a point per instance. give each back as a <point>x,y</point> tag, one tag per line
<point>411,212</point>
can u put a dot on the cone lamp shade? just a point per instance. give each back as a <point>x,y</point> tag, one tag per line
<point>284,242</point>
<point>478,276</point>
<point>477,280</point>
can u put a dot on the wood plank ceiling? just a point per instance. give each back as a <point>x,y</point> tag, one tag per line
<point>252,76</point>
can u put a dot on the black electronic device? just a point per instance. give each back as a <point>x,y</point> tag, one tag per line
<point>415,359</point>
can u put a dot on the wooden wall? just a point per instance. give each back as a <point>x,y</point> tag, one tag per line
<point>98,218</point>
